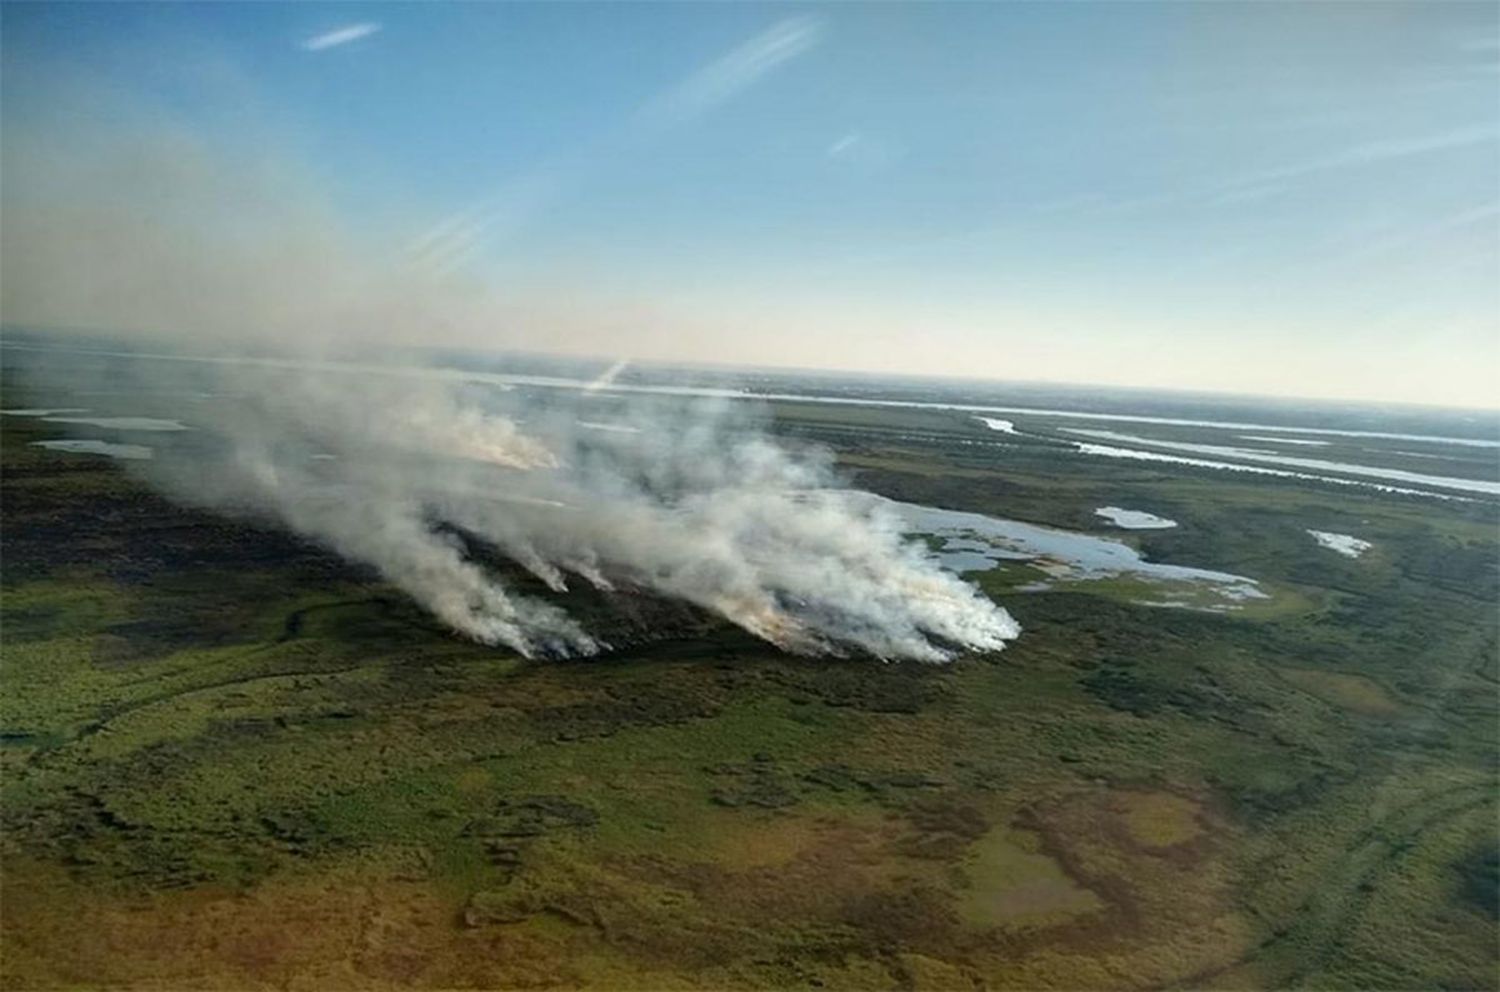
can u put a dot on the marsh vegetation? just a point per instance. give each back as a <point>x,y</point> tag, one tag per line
<point>232,759</point>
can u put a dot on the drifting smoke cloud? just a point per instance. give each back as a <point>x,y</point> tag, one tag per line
<point>412,471</point>
<point>690,502</point>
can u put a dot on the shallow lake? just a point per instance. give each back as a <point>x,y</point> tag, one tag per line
<point>80,446</point>
<point>1133,519</point>
<point>977,542</point>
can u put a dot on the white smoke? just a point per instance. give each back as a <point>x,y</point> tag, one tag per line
<point>149,229</point>
<point>408,473</point>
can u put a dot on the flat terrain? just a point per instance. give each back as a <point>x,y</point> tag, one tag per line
<point>232,760</point>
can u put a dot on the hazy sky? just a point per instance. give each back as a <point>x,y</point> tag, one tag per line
<point>1281,198</point>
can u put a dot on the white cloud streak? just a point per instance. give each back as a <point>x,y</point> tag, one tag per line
<point>459,238</point>
<point>339,36</point>
<point>1372,153</point>
<point>1244,189</point>
<point>844,144</point>
<point>736,71</point>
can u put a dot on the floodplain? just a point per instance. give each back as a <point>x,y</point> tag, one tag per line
<point>233,760</point>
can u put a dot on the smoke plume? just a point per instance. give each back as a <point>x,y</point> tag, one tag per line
<point>234,262</point>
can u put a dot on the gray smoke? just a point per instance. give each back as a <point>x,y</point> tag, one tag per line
<point>147,229</point>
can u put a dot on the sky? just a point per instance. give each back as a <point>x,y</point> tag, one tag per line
<point>1290,199</point>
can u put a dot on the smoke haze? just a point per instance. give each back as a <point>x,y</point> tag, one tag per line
<point>148,229</point>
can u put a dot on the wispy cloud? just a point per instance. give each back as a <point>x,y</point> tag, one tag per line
<point>844,145</point>
<point>1073,201</point>
<point>863,152</point>
<point>460,237</point>
<point>1373,152</point>
<point>736,71</point>
<point>339,36</point>
<point>1243,189</point>
<point>1279,180</point>
<point>1245,193</point>
<point>1421,235</point>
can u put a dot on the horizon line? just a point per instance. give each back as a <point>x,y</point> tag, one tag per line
<point>709,365</point>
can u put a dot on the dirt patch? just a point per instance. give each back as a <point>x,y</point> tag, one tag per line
<point>1349,692</point>
<point>340,930</point>
<point>1011,882</point>
<point>776,840</point>
<point>1158,820</point>
<point>778,867</point>
<point>1166,906</point>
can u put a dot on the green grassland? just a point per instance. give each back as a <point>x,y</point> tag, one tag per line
<point>232,761</point>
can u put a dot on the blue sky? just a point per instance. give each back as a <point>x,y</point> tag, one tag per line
<point>1295,199</point>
